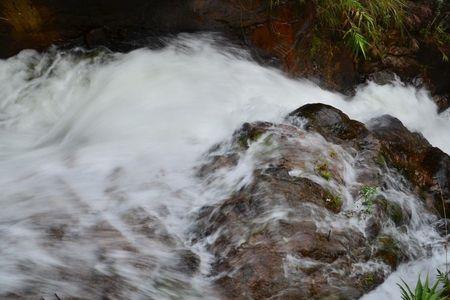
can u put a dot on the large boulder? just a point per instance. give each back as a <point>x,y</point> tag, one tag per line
<point>315,218</point>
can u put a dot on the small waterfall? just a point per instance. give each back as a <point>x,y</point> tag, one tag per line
<point>99,156</point>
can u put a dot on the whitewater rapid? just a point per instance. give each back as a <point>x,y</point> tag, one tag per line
<point>87,138</point>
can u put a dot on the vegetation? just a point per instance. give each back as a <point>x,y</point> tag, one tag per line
<point>441,288</point>
<point>443,278</point>
<point>437,31</point>
<point>442,39</point>
<point>369,280</point>
<point>333,154</point>
<point>363,24</point>
<point>323,170</point>
<point>333,202</point>
<point>381,160</point>
<point>360,23</point>
<point>368,194</point>
<point>423,290</point>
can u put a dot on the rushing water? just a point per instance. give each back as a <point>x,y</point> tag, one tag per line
<point>98,152</point>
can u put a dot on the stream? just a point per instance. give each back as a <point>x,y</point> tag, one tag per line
<point>98,154</point>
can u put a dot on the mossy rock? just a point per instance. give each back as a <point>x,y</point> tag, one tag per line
<point>381,160</point>
<point>333,202</point>
<point>391,210</point>
<point>395,213</point>
<point>323,170</point>
<point>388,250</point>
<point>251,133</point>
<point>370,280</point>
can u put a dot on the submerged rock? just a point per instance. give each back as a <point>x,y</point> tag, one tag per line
<point>189,262</point>
<point>315,220</point>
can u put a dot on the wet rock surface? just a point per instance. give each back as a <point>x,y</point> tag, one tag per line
<point>114,254</point>
<point>287,232</point>
<point>427,167</point>
<point>331,123</point>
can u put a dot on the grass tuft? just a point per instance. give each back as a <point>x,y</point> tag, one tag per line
<point>423,290</point>
<point>361,23</point>
<point>368,194</point>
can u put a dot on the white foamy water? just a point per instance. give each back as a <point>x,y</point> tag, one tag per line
<point>97,159</point>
